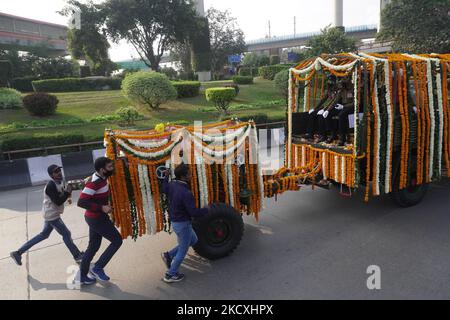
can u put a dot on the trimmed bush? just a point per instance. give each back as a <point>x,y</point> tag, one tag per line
<point>234,86</point>
<point>187,89</point>
<point>274,59</point>
<point>23,84</point>
<point>129,115</point>
<point>77,84</point>
<point>242,80</point>
<point>40,104</point>
<point>248,71</point>
<point>221,97</point>
<point>10,99</point>
<point>148,88</point>
<point>269,72</point>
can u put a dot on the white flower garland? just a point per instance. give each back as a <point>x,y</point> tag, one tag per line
<point>303,156</point>
<point>432,111</point>
<point>229,174</point>
<point>324,166</point>
<point>148,155</point>
<point>289,144</point>
<point>220,153</point>
<point>254,143</point>
<point>343,169</point>
<point>356,111</point>
<point>378,128</point>
<point>336,171</point>
<point>305,95</point>
<point>387,83</point>
<point>147,199</point>
<point>441,114</point>
<point>432,116</point>
<point>150,144</point>
<point>202,180</point>
<point>228,137</point>
<point>296,157</point>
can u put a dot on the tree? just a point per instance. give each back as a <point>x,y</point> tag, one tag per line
<point>226,38</point>
<point>90,42</point>
<point>151,26</point>
<point>53,68</point>
<point>256,60</point>
<point>181,52</point>
<point>332,40</point>
<point>417,25</point>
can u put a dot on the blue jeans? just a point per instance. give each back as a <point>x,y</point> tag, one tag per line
<point>186,238</point>
<point>61,228</point>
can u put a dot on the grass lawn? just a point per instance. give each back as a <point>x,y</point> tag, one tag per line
<point>86,105</point>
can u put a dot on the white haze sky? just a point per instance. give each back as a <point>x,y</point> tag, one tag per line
<point>252,16</point>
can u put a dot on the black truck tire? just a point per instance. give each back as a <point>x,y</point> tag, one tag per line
<point>219,233</point>
<point>410,196</point>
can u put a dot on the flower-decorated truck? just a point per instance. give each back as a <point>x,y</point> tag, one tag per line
<point>398,141</point>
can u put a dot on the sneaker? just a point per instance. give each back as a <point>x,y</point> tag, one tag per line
<point>167,259</point>
<point>99,274</point>
<point>79,258</point>
<point>87,280</point>
<point>16,256</point>
<point>176,278</point>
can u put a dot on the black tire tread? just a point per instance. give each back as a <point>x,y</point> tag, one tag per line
<point>218,209</point>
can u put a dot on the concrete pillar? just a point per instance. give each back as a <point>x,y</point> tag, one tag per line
<point>338,13</point>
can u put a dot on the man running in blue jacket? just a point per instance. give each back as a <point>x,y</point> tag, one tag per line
<point>182,209</point>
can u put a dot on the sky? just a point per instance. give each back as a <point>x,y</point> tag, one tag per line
<point>252,16</point>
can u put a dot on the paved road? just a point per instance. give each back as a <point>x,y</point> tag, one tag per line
<point>309,244</point>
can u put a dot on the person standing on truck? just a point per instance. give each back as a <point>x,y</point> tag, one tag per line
<point>95,200</point>
<point>55,195</point>
<point>182,209</point>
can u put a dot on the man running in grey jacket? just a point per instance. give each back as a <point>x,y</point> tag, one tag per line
<point>55,195</point>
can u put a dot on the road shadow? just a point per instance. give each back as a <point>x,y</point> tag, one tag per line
<point>107,290</point>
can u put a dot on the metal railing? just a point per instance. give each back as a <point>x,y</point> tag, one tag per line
<point>352,29</point>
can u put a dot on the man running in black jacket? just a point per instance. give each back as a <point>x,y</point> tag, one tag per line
<point>55,195</point>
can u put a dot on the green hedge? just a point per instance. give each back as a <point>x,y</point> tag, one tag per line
<point>77,84</point>
<point>23,84</point>
<point>40,141</point>
<point>269,72</point>
<point>187,89</point>
<point>45,140</point>
<point>243,79</point>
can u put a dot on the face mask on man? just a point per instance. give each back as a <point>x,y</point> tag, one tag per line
<point>108,173</point>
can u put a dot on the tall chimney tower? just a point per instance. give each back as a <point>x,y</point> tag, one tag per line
<point>338,13</point>
<point>200,46</point>
<point>200,7</point>
<point>383,4</point>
